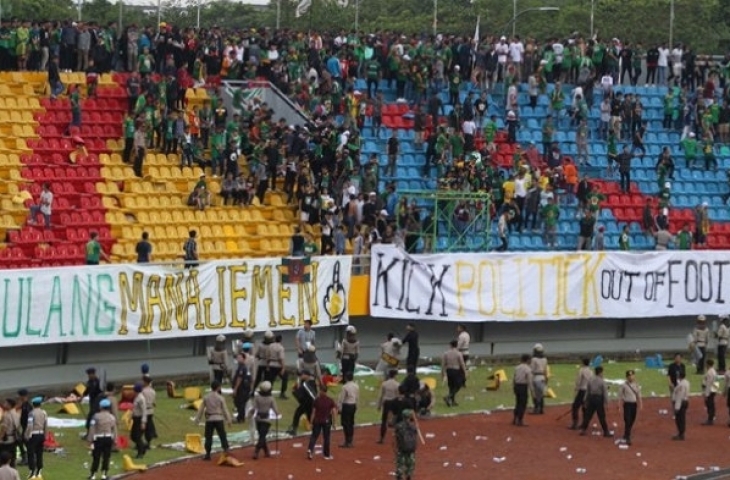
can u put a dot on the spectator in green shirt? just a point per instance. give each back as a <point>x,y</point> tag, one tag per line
<point>684,238</point>
<point>550,214</point>
<point>94,252</point>
<point>623,239</point>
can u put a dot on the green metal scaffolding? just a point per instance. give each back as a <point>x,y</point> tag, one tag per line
<point>439,228</point>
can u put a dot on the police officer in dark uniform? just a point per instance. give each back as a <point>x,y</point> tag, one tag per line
<point>410,383</point>
<point>305,393</point>
<point>25,409</point>
<point>94,392</point>
<point>241,387</point>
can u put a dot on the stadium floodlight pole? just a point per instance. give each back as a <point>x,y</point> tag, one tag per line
<point>593,7</point>
<point>435,16</point>
<point>514,15</point>
<point>522,12</point>
<point>671,23</point>
<point>278,14</point>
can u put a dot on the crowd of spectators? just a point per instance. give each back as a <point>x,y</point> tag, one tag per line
<point>321,163</point>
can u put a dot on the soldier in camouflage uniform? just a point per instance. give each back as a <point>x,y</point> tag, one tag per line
<point>406,433</point>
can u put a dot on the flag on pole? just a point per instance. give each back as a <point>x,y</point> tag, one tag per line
<point>303,7</point>
<point>296,269</point>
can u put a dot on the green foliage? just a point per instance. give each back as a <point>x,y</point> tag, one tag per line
<point>38,9</point>
<point>704,24</point>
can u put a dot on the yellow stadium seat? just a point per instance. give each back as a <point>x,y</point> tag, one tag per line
<point>34,104</point>
<point>105,159</point>
<point>116,158</point>
<point>23,103</point>
<point>12,105</point>
<point>229,231</point>
<point>206,232</point>
<point>130,201</point>
<point>217,231</point>
<point>177,217</point>
<point>190,217</point>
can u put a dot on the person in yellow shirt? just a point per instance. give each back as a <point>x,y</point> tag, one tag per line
<point>509,189</point>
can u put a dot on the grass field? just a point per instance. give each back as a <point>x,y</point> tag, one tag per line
<point>173,421</point>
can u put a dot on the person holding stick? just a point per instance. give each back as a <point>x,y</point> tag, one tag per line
<point>596,402</point>
<point>629,398</point>
<point>406,433</point>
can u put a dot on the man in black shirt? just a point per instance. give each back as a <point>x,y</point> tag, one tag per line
<point>241,387</point>
<point>624,168</point>
<point>144,249</point>
<point>305,393</point>
<point>652,60</point>
<point>587,225</point>
<point>393,148</point>
<point>480,109</point>
<point>410,384</point>
<point>674,370</point>
<point>94,392</point>
<point>411,340</point>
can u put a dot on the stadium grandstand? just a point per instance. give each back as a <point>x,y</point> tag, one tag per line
<point>466,146</point>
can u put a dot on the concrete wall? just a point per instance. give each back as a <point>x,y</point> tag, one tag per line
<point>64,364</point>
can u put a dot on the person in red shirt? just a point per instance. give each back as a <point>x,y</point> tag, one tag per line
<point>324,413</point>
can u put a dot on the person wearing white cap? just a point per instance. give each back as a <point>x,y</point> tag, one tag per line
<point>349,350</point>
<point>700,339</point>
<point>218,359</point>
<point>262,408</point>
<point>723,338</point>
<point>305,337</point>
<point>539,368</point>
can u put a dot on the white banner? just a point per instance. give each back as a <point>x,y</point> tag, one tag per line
<point>478,287</point>
<point>133,302</point>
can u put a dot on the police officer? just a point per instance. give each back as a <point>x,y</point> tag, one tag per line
<point>308,361</point>
<point>596,401</point>
<point>453,371</point>
<point>263,404</point>
<point>388,394</point>
<point>25,409</point>
<point>216,414</point>
<point>521,382</point>
<point>241,387</point>
<point>347,405</point>
<point>581,384</point>
<point>276,367</point>
<point>305,393</point>
<point>94,392</point>
<point>218,359</point>
<point>139,420</point>
<point>7,472</point>
<point>262,358</point>
<point>463,340</point>
<point>35,435</point>
<point>103,434</point>
<point>723,338</point>
<point>349,350</point>
<point>700,338</point>
<point>8,430</point>
<point>709,391</point>
<point>150,399</point>
<point>680,402</point>
<point>629,400</point>
<point>539,367</point>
